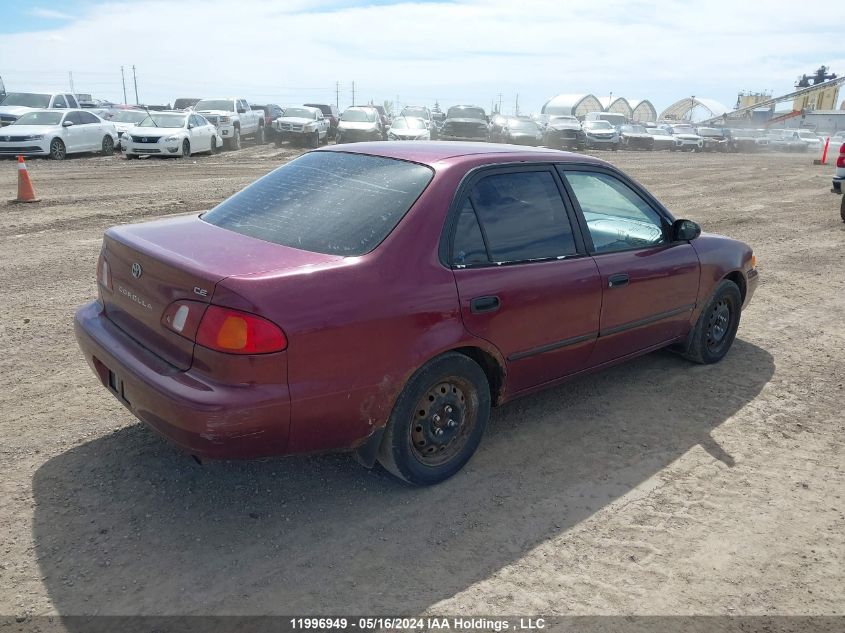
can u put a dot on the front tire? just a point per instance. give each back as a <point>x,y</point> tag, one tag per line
<point>234,143</point>
<point>186,149</point>
<point>58,151</point>
<point>212,150</point>
<point>437,422</point>
<point>108,146</point>
<point>314,141</point>
<point>715,330</point>
<point>259,135</point>
<point>842,208</point>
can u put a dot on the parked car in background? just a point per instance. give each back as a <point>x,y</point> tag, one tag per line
<point>635,137</point>
<point>125,119</point>
<point>359,123</point>
<point>14,104</point>
<point>219,330</point>
<point>408,128</point>
<point>496,128</point>
<point>714,139</point>
<point>747,140</point>
<point>234,119</point>
<point>176,133</point>
<point>838,186</point>
<point>685,133</point>
<point>465,123</point>
<point>564,132</point>
<point>271,112</point>
<point>662,139</point>
<point>57,133</point>
<point>301,124</point>
<point>600,134</point>
<point>614,118</point>
<point>422,112</point>
<point>812,140</point>
<point>781,140</point>
<point>522,131</point>
<point>385,118</point>
<point>183,103</point>
<point>331,113</point>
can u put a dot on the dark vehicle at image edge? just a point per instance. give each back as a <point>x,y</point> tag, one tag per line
<point>460,276</point>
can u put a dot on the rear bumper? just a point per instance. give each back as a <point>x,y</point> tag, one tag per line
<point>200,415</point>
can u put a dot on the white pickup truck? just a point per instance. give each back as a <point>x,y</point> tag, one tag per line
<point>234,120</point>
<point>838,185</point>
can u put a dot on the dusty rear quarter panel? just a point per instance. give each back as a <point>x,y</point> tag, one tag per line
<point>357,330</point>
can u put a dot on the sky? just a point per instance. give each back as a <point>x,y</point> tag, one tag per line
<point>421,52</point>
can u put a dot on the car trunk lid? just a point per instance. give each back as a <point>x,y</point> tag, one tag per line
<point>156,263</point>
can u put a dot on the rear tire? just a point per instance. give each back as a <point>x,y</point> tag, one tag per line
<point>842,208</point>
<point>213,149</point>
<point>715,330</point>
<point>437,422</point>
<point>108,145</point>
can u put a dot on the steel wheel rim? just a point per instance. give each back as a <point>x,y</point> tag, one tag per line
<point>57,148</point>
<point>443,421</point>
<point>719,324</point>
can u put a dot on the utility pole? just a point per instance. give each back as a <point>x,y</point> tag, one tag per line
<point>123,80</point>
<point>353,93</point>
<point>516,107</point>
<point>337,94</point>
<point>70,76</point>
<point>500,103</point>
<point>135,79</point>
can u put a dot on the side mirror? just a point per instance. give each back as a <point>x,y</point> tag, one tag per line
<point>67,123</point>
<point>685,230</point>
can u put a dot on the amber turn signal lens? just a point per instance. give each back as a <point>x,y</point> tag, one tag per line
<point>232,334</point>
<point>753,261</point>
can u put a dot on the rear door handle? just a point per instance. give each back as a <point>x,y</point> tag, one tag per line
<point>484,304</point>
<point>615,281</point>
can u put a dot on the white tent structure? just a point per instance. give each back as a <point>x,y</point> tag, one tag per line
<point>574,104</point>
<point>642,110</point>
<point>693,109</point>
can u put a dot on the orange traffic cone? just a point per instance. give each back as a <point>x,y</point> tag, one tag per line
<point>25,191</point>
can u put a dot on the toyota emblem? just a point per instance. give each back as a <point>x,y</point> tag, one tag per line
<point>137,271</point>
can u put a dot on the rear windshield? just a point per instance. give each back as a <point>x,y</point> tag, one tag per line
<point>326,202</point>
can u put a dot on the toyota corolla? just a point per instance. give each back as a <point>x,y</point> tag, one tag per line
<point>381,297</point>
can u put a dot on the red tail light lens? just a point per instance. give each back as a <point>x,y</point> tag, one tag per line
<point>104,273</point>
<point>840,162</point>
<point>236,332</point>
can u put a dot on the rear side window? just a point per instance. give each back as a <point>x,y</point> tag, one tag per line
<point>469,245</point>
<point>326,202</point>
<point>523,217</point>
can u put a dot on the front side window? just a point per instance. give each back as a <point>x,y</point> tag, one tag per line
<point>326,202</point>
<point>617,218</point>
<point>59,102</point>
<point>523,217</point>
<point>87,117</point>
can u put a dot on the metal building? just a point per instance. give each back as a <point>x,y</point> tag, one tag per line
<point>574,104</point>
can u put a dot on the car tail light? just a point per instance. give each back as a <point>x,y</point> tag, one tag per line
<point>840,162</point>
<point>183,317</point>
<point>104,273</point>
<point>236,332</point>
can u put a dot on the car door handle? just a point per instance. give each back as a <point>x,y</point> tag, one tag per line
<point>615,281</point>
<point>484,304</point>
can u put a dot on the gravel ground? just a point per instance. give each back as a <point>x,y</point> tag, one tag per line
<point>657,487</point>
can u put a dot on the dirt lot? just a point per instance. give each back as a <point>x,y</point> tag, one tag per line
<point>658,487</point>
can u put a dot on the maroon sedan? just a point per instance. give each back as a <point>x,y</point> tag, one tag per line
<point>381,297</point>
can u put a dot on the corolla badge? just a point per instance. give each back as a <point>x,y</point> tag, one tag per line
<point>137,271</point>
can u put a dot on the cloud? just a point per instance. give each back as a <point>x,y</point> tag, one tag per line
<point>49,14</point>
<point>452,51</point>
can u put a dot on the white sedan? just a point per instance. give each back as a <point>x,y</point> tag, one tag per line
<point>171,134</point>
<point>57,133</point>
<point>124,120</point>
<point>409,128</point>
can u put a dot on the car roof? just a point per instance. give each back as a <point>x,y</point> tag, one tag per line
<point>428,153</point>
